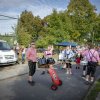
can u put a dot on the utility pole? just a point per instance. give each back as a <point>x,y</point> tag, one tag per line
<point>17,29</point>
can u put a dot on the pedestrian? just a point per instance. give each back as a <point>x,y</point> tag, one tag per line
<point>93,58</point>
<point>78,59</point>
<point>84,62</point>
<point>32,59</point>
<point>48,55</point>
<point>23,54</point>
<point>61,56</point>
<point>68,54</point>
<point>17,50</point>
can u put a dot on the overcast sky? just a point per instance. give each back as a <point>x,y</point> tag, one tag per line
<point>38,7</point>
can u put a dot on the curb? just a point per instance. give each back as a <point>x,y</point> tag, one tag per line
<point>15,70</point>
<point>91,87</point>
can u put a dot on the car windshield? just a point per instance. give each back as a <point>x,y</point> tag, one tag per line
<point>4,46</point>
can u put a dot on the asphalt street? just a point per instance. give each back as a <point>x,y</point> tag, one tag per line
<point>17,88</point>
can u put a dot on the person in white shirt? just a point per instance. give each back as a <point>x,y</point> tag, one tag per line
<point>62,55</point>
<point>69,54</point>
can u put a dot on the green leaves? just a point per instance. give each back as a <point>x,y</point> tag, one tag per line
<point>24,37</point>
<point>82,14</point>
<point>28,28</point>
<point>73,24</point>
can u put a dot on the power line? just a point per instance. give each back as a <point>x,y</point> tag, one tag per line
<point>7,19</point>
<point>8,16</point>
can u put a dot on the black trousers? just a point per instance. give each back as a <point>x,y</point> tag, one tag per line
<point>68,65</point>
<point>32,68</point>
<point>91,68</point>
<point>84,67</point>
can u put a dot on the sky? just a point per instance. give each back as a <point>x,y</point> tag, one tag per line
<point>40,8</point>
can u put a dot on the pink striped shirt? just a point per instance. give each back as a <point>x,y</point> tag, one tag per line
<point>31,54</point>
<point>91,55</point>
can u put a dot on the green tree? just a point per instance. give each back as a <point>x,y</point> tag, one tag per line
<point>29,25</point>
<point>37,27</point>
<point>96,29</point>
<point>25,38</point>
<point>57,26</point>
<point>82,14</point>
<point>24,28</point>
<point>26,21</point>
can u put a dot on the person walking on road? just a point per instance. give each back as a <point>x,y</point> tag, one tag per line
<point>93,58</point>
<point>78,59</point>
<point>23,49</point>
<point>85,62</point>
<point>68,54</point>
<point>31,56</point>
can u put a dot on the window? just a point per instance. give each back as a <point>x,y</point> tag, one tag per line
<point>4,46</point>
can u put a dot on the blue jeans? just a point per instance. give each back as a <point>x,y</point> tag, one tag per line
<point>23,57</point>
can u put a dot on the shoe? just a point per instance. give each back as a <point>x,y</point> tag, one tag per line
<point>87,82</point>
<point>76,67</point>
<point>83,76</point>
<point>91,82</point>
<point>70,73</point>
<point>67,72</point>
<point>22,62</point>
<point>43,73</point>
<point>31,82</point>
<point>63,68</point>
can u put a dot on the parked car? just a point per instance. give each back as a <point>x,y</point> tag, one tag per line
<point>7,54</point>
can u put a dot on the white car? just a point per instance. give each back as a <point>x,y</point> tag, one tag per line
<point>7,55</point>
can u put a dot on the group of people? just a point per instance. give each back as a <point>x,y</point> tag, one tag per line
<point>32,58</point>
<point>89,57</point>
<point>21,53</point>
<point>66,56</point>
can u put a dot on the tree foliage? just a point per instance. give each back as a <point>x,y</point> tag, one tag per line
<point>78,22</point>
<point>82,14</point>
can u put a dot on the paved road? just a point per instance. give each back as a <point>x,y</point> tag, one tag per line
<point>17,88</point>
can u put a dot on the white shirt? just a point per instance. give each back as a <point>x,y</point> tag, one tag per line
<point>69,54</point>
<point>62,55</point>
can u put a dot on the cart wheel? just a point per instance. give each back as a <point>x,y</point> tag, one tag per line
<point>54,87</point>
<point>60,82</point>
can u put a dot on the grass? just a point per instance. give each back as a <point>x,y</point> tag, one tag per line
<point>94,92</point>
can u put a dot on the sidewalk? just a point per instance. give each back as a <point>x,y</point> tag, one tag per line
<point>14,70</point>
